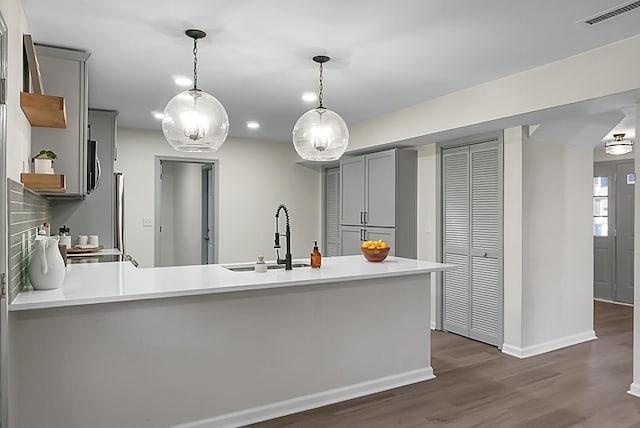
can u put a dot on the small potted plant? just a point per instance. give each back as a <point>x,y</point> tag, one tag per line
<point>44,162</point>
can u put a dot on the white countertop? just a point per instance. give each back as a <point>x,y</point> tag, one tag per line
<point>93,283</point>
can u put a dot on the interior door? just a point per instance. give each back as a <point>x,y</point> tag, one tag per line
<point>332,212</point>
<point>625,183</point>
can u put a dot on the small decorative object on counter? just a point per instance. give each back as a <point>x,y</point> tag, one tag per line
<point>46,267</point>
<point>316,257</point>
<point>261,266</point>
<point>65,238</point>
<point>375,251</point>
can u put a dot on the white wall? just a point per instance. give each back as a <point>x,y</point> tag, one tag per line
<point>187,218</point>
<point>557,245</point>
<point>427,202</point>
<point>18,127</point>
<point>514,141</point>
<point>570,80</point>
<point>254,178</point>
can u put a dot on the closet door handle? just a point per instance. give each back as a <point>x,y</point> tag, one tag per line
<point>361,217</point>
<point>366,214</point>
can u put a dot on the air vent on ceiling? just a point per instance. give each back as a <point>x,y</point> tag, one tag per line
<point>610,13</point>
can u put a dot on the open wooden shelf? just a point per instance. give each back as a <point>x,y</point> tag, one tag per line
<point>44,110</point>
<point>49,183</point>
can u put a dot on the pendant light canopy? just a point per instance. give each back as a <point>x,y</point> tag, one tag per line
<point>320,134</point>
<point>619,146</point>
<point>195,121</point>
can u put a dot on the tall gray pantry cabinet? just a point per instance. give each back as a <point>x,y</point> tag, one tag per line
<point>378,195</point>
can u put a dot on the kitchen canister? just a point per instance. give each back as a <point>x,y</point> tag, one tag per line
<point>46,267</point>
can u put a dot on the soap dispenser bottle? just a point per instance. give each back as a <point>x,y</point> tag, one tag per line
<point>260,266</point>
<point>316,257</point>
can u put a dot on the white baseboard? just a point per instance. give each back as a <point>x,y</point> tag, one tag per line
<point>549,346</point>
<point>634,389</point>
<point>312,401</point>
<point>433,325</point>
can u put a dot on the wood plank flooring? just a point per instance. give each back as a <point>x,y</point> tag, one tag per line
<point>478,386</point>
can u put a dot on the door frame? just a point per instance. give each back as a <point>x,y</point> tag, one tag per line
<point>208,213</point>
<point>4,402</point>
<point>158,199</point>
<point>459,142</point>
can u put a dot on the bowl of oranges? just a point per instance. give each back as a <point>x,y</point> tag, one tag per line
<point>375,251</point>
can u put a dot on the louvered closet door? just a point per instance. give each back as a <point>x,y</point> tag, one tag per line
<point>472,238</point>
<point>486,241</point>
<point>455,198</point>
<point>332,212</point>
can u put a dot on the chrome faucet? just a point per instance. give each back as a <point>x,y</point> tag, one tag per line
<point>287,235</point>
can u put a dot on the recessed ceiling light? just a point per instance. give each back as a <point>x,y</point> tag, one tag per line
<point>253,125</point>
<point>157,114</point>
<point>309,97</point>
<point>182,81</point>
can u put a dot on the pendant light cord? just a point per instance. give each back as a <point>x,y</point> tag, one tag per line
<point>195,63</point>
<point>321,88</point>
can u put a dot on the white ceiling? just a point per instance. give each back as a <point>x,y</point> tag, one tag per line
<point>257,57</point>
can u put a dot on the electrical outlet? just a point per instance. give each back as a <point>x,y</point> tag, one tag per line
<point>147,221</point>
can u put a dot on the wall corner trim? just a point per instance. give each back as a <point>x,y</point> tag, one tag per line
<point>552,345</point>
<point>634,389</point>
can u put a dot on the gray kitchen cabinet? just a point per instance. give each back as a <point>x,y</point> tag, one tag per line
<point>64,73</point>
<point>351,238</point>
<point>378,196</point>
<point>352,183</point>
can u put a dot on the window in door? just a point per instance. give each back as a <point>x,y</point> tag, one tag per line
<point>601,206</point>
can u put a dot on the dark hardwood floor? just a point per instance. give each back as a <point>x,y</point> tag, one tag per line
<point>478,386</point>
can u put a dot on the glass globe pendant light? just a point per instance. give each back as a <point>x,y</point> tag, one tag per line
<point>320,134</point>
<point>195,121</point>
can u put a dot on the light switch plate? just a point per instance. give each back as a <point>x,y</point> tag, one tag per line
<point>147,221</point>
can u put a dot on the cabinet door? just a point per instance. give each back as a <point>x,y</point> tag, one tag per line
<point>381,189</point>
<point>351,240</point>
<point>387,235</point>
<point>352,190</point>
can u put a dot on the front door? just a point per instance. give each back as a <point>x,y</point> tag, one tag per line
<point>613,213</point>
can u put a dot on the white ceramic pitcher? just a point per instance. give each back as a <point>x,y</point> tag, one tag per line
<point>46,268</point>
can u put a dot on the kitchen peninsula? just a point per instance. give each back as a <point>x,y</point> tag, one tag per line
<point>205,346</point>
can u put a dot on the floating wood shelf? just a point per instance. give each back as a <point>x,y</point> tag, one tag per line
<point>44,110</point>
<point>50,183</point>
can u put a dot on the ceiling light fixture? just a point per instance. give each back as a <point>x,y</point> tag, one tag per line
<point>320,134</point>
<point>618,146</point>
<point>253,125</point>
<point>195,121</point>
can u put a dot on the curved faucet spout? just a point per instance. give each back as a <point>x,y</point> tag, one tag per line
<point>287,258</point>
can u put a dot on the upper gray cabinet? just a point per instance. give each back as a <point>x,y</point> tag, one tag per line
<point>64,73</point>
<point>378,200</point>
<point>369,188</point>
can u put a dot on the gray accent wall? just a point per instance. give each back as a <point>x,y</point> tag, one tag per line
<point>27,210</point>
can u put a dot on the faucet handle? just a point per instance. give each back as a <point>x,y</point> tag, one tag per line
<point>277,241</point>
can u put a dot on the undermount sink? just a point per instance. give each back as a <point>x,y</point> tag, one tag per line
<point>251,268</point>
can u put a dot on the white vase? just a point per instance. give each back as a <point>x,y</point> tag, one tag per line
<point>46,268</point>
<point>43,166</point>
